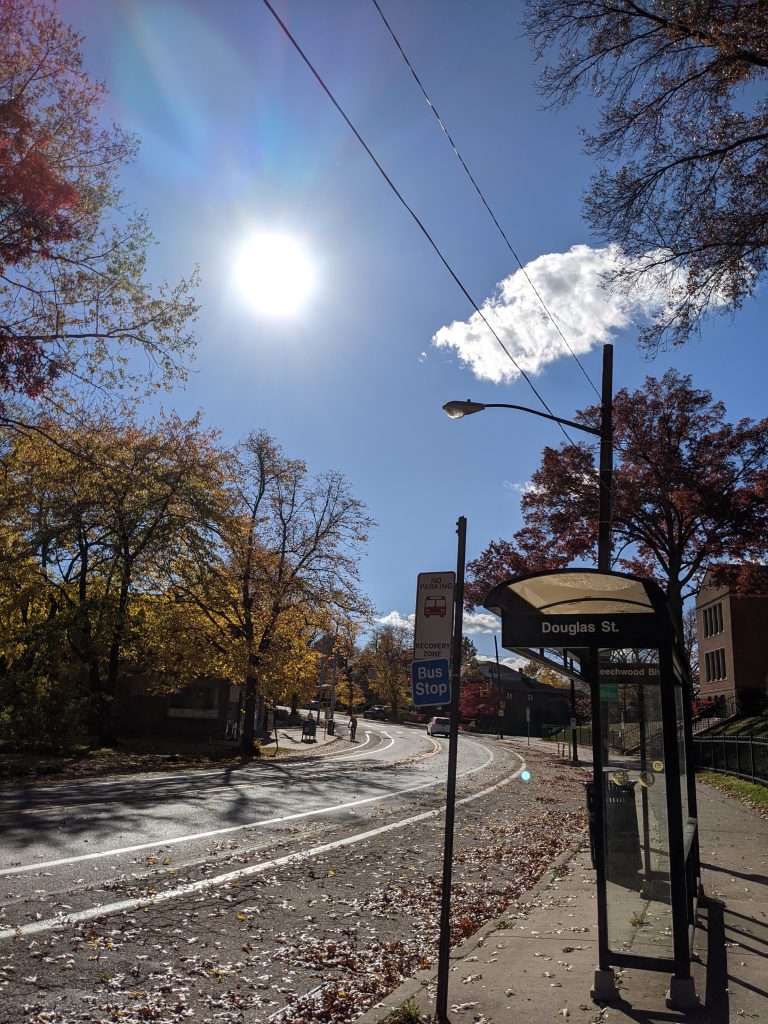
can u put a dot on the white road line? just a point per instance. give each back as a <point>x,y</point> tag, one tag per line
<point>188,888</point>
<point>160,843</point>
<point>240,778</point>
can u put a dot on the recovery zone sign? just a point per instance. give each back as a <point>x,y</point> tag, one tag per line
<point>432,638</point>
<point>431,682</point>
<point>434,615</point>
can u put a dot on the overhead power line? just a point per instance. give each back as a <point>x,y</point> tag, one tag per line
<point>484,201</point>
<point>410,210</point>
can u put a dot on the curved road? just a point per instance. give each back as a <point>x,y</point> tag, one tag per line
<point>74,852</point>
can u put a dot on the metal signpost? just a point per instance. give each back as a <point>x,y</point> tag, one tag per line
<point>444,951</point>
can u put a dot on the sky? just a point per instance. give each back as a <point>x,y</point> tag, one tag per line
<point>238,138</point>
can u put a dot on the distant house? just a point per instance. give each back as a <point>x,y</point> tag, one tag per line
<point>732,629</point>
<point>546,705</point>
<point>204,709</point>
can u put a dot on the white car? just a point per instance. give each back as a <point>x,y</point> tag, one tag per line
<point>438,727</point>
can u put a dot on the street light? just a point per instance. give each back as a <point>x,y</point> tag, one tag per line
<point>457,410</point>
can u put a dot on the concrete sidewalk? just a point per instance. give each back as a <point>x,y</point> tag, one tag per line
<point>542,967</point>
<point>290,742</point>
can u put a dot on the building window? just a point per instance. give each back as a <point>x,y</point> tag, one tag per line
<point>194,702</point>
<point>714,664</point>
<point>713,619</point>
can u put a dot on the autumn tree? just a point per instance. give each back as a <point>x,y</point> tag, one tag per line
<point>286,551</point>
<point>683,186</point>
<point>689,491</point>
<point>544,674</point>
<point>387,659</point>
<point>470,668</point>
<point>90,510</point>
<point>479,697</point>
<point>74,299</point>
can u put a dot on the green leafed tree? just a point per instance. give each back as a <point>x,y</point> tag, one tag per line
<point>682,143</point>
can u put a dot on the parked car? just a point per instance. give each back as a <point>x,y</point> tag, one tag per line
<point>377,712</point>
<point>438,727</point>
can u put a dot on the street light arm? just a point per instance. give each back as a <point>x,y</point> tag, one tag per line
<point>458,409</point>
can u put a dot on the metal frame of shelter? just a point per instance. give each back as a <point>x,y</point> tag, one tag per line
<point>614,631</point>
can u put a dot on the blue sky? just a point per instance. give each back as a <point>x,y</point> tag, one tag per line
<point>236,135</point>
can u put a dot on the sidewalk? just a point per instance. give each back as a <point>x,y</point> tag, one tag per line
<point>542,968</point>
<point>290,740</point>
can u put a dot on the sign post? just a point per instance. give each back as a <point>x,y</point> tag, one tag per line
<point>444,950</point>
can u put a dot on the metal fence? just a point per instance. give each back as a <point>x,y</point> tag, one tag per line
<point>744,756</point>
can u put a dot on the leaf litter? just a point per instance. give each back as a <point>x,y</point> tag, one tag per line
<point>316,943</point>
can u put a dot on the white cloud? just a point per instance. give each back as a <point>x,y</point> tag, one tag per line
<point>481,622</point>
<point>474,622</point>
<point>526,487</point>
<point>510,662</point>
<point>396,619</point>
<point>572,286</point>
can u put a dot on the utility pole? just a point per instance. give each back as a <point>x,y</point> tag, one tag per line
<point>606,463</point>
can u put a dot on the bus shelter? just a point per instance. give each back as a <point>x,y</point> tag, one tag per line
<point>614,632</point>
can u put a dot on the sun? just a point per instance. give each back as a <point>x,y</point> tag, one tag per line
<point>274,274</point>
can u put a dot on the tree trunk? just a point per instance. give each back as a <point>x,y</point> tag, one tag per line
<point>248,734</point>
<point>675,602</point>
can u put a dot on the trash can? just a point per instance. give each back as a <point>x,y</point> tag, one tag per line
<point>308,730</point>
<point>623,859</point>
<point>622,846</point>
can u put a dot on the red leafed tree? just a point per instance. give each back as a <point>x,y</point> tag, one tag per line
<point>689,492</point>
<point>73,298</point>
<point>38,206</point>
<point>478,698</point>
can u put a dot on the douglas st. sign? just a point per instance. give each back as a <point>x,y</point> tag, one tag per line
<point>620,630</point>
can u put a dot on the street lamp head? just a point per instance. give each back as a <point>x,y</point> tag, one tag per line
<point>458,409</point>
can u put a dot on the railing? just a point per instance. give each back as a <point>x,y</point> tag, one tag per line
<point>743,756</point>
<point>721,709</point>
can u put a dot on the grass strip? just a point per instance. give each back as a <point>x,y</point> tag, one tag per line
<point>753,794</point>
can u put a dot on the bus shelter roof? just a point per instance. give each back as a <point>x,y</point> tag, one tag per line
<point>576,592</point>
<point>571,610</point>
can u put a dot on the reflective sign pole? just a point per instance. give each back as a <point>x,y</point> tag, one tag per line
<point>443,964</point>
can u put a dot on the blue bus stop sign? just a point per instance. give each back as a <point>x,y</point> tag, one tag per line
<point>430,682</point>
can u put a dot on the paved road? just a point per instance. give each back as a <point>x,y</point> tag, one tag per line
<point>328,865</point>
<point>74,848</point>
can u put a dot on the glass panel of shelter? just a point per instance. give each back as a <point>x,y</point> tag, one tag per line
<point>636,839</point>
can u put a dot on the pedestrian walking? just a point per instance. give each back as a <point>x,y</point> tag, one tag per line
<point>352,727</point>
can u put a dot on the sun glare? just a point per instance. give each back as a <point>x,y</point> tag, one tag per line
<point>274,274</point>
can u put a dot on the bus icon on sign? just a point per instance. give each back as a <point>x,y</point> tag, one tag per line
<point>434,606</point>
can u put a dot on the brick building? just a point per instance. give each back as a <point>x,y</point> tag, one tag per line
<point>732,630</point>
